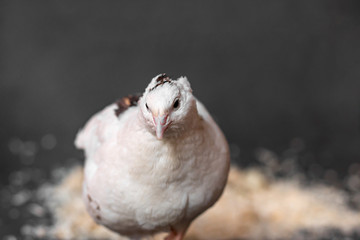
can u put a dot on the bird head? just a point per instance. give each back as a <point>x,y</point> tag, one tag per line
<point>166,105</point>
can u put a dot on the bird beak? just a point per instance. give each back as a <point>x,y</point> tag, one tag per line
<point>161,125</point>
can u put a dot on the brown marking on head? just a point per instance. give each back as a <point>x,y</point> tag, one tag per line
<point>126,102</point>
<point>162,79</point>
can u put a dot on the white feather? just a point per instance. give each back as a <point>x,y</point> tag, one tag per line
<point>142,185</point>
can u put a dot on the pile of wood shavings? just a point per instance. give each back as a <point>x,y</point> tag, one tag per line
<point>252,207</point>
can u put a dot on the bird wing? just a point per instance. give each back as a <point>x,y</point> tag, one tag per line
<point>218,134</point>
<point>203,112</point>
<point>102,128</point>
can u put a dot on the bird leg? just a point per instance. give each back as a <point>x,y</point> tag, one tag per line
<point>174,235</point>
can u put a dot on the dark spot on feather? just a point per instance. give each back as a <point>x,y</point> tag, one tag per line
<point>98,217</point>
<point>89,198</point>
<point>126,102</point>
<point>162,79</point>
<point>98,207</point>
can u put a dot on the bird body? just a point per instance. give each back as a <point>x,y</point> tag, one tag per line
<point>155,166</point>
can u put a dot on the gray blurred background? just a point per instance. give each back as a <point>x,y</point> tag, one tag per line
<point>272,73</point>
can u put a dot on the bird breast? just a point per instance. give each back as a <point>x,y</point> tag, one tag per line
<point>143,184</point>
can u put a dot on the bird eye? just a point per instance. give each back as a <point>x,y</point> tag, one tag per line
<point>176,103</point>
<point>147,107</point>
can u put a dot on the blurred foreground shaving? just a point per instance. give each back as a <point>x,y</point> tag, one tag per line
<point>252,207</point>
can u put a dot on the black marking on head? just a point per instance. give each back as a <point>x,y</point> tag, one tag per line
<point>126,102</point>
<point>162,79</point>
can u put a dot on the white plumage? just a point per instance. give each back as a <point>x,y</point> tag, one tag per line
<point>154,166</point>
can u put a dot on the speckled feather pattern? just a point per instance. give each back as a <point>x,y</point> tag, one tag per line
<point>136,184</point>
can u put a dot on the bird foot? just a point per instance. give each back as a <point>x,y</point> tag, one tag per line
<point>175,235</point>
